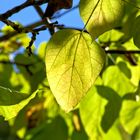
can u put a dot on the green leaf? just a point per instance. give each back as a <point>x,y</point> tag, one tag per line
<point>91,112</point>
<point>110,36</point>
<point>34,72</point>
<point>131,71</point>
<point>100,16</point>
<point>136,134</point>
<point>55,129</point>
<point>112,108</point>
<point>5,71</point>
<point>129,115</point>
<point>11,102</point>
<point>42,50</point>
<point>114,78</point>
<point>136,32</point>
<point>73,62</point>
<point>113,133</point>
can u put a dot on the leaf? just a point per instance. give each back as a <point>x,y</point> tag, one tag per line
<point>122,86</point>
<point>136,32</point>
<point>11,102</point>
<point>56,129</point>
<point>129,115</point>
<point>42,50</point>
<point>33,71</point>
<point>132,72</point>
<point>110,36</point>
<point>112,108</point>
<point>91,112</point>
<point>100,16</point>
<point>73,62</point>
<point>5,71</point>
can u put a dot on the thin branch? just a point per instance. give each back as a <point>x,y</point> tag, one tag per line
<point>29,49</point>
<point>31,27</point>
<point>11,34</point>
<point>123,51</point>
<point>16,63</point>
<point>46,20</point>
<point>18,8</point>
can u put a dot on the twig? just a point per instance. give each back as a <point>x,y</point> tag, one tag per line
<point>16,63</point>
<point>13,33</point>
<point>123,51</point>
<point>29,49</point>
<point>46,20</point>
<point>16,9</point>
<point>19,64</point>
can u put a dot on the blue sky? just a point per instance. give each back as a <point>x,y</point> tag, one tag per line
<point>29,15</point>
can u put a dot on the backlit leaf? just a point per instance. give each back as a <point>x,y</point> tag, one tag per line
<point>129,115</point>
<point>73,62</point>
<point>101,15</point>
<point>11,102</point>
<point>122,85</point>
<point>91,112</point>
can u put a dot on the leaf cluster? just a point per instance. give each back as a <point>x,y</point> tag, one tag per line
<point>82,84</point>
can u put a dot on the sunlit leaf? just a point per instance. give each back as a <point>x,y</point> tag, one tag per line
<point>122,85</point>
<point>129,115</point>
<point>42,50</point>
<point>113,133</point>
<point>11,102</point>
<point>112,108</point>
<point>131,72</point>
<point>91,112</point>
<point>73,63</point>
<point>100,15</point>
<point>110,36</point>
<point>136,133</point>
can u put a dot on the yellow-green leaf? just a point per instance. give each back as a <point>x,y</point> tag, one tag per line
<point>73,62</point>
<point>11,102</point>
<point>129,115</point>
<point>100,16</point>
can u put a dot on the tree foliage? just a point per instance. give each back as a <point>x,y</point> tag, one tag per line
<point>83,84</point>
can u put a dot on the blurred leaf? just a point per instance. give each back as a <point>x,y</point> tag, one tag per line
<point>111,36</point>
<point>50,105</point>
<point>4,129</point>
<point>33,69</point>
<point>56,129</point>
<point>113,133</point>
<point>19,82</point>
<point>5,71</point>
<point>100,16</point>
<point>129,23</point>
<point>136,134</point>
<point>129,115</point>
<point>15,42</point>
<point>11,102</point>
<point>73,63</point>
<point>42,50</point>
<point>136,32</point>
<point>115,79</point>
